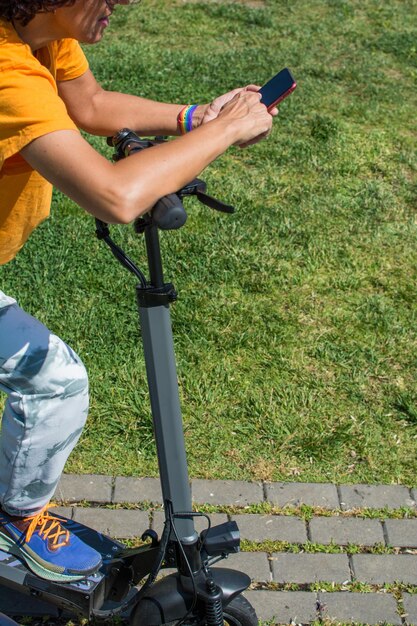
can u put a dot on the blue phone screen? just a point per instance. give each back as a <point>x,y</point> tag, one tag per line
<point>276,87</point>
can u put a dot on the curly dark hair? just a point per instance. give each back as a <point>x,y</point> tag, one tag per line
<point>25,10</point>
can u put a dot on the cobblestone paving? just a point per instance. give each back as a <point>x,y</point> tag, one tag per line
<point>351,557</point>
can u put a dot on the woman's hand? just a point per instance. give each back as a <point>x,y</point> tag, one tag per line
<point>249,118</point>
<point>213,110</point>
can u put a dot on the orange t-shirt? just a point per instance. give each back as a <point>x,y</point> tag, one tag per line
<point>29,108</point>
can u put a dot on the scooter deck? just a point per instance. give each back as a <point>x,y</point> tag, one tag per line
<point>24,593</point>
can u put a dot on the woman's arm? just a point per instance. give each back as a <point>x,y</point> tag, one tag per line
<point>102,112</point>
<point>120,192</point>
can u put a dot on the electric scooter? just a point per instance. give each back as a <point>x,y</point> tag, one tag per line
<point>128,584</point>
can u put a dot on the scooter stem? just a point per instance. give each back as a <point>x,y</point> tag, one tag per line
<point>158,345</point>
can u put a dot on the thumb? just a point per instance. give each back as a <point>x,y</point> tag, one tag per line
<point>211,113</point>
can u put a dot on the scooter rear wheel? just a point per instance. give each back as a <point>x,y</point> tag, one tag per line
<point>239,612</point>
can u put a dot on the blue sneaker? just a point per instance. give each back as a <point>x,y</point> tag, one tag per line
<point>47,548</point>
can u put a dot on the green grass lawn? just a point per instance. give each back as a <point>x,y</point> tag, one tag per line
<point>296,326</point>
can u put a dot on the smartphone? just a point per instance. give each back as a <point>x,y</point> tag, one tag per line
<point>277,88</point>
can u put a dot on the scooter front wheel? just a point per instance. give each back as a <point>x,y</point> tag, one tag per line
<point>239,612</point>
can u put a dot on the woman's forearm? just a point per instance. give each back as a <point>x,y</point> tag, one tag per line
<point>101,112</point>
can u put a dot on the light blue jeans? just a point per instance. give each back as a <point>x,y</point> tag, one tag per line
<point>45,411</point>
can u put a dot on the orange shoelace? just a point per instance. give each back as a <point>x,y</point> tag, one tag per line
<point>51,528</point>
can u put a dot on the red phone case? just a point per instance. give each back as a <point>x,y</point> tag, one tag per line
<point>284,95</point>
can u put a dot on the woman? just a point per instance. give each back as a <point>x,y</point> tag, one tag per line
<point>48,93</point>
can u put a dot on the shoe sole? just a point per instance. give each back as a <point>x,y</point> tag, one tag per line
<point>9,546</point>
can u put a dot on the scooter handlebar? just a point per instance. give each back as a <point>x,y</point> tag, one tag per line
<point>168,213</point>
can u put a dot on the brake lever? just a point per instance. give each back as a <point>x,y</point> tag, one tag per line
<point>197,187</point>
<point>213,203</point>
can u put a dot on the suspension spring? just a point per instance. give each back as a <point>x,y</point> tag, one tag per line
<point>214,613</point>
<point>214,606</point>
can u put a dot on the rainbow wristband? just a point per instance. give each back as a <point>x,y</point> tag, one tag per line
<point>185,118</point>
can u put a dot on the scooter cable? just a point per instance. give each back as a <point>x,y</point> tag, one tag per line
<point>161,554</point>
<point>196,514</point>
<point>134,599</point>
<point>195,597</point>
<point>103,233</point>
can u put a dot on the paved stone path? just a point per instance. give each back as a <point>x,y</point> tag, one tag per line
<point>338,518</point>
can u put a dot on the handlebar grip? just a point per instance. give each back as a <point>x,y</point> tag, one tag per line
<point>169,213</point>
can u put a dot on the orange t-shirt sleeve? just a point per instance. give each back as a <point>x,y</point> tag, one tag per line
<point>71,61</point>
<point>30,104</point>
<point>30,108</point>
